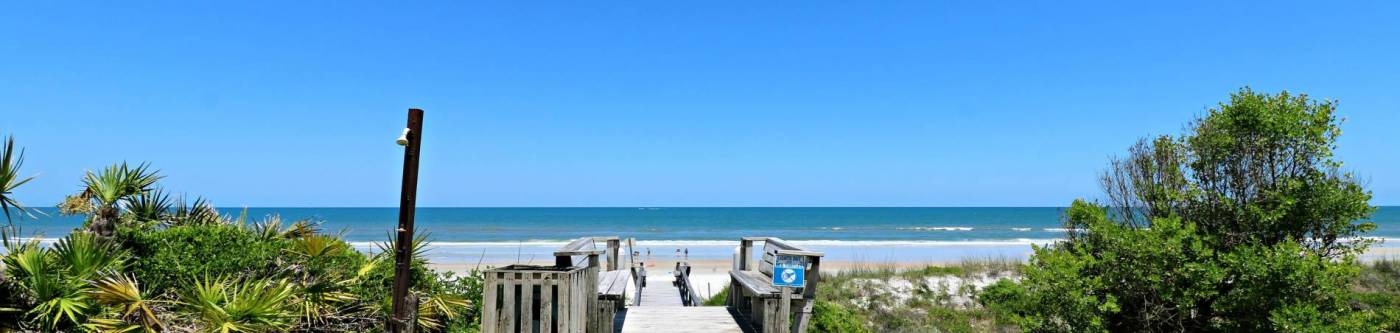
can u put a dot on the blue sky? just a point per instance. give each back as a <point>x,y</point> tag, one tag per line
<point>541,103</point>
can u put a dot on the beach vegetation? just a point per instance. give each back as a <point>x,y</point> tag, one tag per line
<point>53,283</point>
<point>935,298</point>
<point>177,255</point>
<point>1243,224</point>
<point>106,191</point>
<point>1378,290</point>
<point>162,264</point>
<point>720,298</point>
<point>10,179</point>
<point>833,317</point>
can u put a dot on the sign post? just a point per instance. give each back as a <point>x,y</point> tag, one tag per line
<point>404,303</point>
<point>789,272</point>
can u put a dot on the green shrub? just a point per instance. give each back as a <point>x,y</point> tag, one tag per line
<point>719,299</point>
<point>832,317</point>
<point>466,287</point>
<point>1008,300</point>
<point>179,255</point>
<point>1243,224</point>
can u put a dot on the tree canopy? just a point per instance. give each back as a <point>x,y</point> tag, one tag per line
<point>1243,223</point>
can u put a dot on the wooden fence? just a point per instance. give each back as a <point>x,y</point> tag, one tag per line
<point>544,299</point>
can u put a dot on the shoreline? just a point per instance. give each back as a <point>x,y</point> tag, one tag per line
<point>710,275</point>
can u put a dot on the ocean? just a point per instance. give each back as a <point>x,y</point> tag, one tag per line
<point>508,235</point>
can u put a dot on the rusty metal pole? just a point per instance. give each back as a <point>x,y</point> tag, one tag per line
<point>405,304</point>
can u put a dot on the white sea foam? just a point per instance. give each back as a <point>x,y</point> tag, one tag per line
<point>937,228</point>
<point>730,243</point>
<point>1021,229</point>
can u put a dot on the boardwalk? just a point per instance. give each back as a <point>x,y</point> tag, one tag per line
<point>661,310</point>
<point>680,319</point>
<point>661,292</point>
<point>579,294</point>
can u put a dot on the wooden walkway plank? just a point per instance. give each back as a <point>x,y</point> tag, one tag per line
<point>680,319</point>
<point>661,293</point>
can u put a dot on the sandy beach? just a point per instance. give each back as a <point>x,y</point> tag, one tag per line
<point>709,276</point>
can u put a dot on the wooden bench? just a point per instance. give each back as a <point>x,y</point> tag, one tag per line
<point>769,309</point>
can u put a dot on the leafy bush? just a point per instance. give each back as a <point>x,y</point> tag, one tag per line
<point>1242,224</point>
<point>204,271</point>
<point>832,317</point>
<point>183,254</point>
<point>451,299</point>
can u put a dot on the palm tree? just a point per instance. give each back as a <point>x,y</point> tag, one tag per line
<point>9,177</point>
<point>115,184</point>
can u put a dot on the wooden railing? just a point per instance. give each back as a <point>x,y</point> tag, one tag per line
<point>560,298</point>
<point>688,296</point>
<point>638,270</point>
<point>545,299</point>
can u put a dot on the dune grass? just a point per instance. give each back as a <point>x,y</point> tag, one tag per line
<point>936,298</point>
<point>871,297</point>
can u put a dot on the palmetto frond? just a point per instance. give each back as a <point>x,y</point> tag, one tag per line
<point>315,246</point>
<point>151,205</point>
<point>122,292</point>
<point>53,277</point>
<point>61,301</point>
<point>269,228</point>
<point>10,162</point>
<point>119,181</point>
<point>301,228</point>
<point>199,212</point>
<point>250,305</point>
<point>25,259</point>
<point>320,299</point>
<point>435,309</point>
<point>84,254</point>
<point>110,325</point>
<point>419,246</point>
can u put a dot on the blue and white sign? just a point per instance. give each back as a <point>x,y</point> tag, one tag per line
<point>790,271</point>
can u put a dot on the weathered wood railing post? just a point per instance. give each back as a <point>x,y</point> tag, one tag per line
<point>564,258</point>
<point>809,294</point>
<point>614,246</point>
